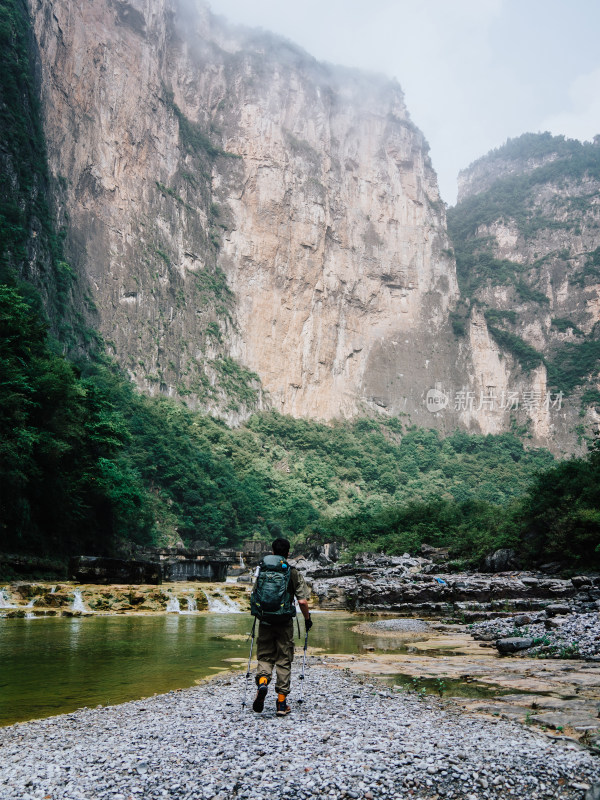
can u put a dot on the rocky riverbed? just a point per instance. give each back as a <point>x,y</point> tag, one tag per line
<point>552,635</point>
<point>352,738</point>
<point>468,597</point>
<point>560,696</point>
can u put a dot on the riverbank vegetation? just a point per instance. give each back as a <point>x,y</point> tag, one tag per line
<point>557,519</point>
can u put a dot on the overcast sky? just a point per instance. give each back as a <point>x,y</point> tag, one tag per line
<point>474,72</point>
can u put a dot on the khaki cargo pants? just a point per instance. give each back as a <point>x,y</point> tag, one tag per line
<point>275,648</point>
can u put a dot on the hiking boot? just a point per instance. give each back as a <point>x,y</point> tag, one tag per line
<point>282,706</point>
<point>259,700</point>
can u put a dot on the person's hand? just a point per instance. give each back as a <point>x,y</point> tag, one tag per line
<point>308,623</point>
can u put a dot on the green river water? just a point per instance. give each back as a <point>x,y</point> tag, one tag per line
<point>56,665</point>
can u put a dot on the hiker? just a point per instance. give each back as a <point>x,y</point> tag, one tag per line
<point>272,602</point>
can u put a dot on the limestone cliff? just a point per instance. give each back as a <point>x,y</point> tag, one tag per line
<point>526,232</point>
<point>233,202</point>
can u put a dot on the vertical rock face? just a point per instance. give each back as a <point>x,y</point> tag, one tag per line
<point>238,208</point>
<point>527,238</point>
<point>336,257</point>
<point>137,176</point>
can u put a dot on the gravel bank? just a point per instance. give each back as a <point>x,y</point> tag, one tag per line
<point>347,740</point>
<point>400,625</point>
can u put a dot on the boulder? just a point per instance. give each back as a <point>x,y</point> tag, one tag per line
<point>553,624</point>
<point>581,580</point>
<point>513,644</point>
<point>501,560</point>
<point>522,619</point>
<point>551,567</point>
<point>557,608</point>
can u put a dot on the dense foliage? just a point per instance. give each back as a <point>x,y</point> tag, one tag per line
<point>556,520</point>
<point>61,487</point>
<point>560,514</point>
<point>471,529</point>
<point>31,249</point>
<point>87,463</point>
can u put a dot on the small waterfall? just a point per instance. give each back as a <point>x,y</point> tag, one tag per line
<point>192,606</point>
<point>30,614</point>
<point>53,590</point>
<point>78,604</point>
<point>242,565</point>
<point>173,606</point>
<point>222,604</point>
<point>5,600</point>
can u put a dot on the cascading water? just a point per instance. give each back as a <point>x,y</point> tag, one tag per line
<point>173,606</point>
<point>222,604</point>
<point>78,604</point>
<point>192,606</point>
<point>5,599</point>
<point>30,614</point>
<point>242,565</point>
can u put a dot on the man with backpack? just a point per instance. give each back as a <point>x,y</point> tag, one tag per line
<point>272,602</point>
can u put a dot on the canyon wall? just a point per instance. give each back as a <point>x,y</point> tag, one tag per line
<point>527,237</point>
<point>254,229</point>
<point>239,208</point>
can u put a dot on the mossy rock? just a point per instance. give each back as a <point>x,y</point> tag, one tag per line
<point>56,600</point>
<point>99,603</point>
<point>201,601</point>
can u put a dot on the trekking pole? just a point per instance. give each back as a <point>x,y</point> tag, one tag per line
<point>248,670</point>
<point>301,700</point>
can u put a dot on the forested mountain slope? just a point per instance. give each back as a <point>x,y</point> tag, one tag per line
<point>526,233</point>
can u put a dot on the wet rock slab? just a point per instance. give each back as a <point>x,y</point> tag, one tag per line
<point>352,738</point>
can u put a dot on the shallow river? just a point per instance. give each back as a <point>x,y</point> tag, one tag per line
<point>58,664</point>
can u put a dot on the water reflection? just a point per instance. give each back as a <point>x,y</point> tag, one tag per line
<point>59,664</point>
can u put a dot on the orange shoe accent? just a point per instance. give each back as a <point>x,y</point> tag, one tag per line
<point>281,698</point>
<point>262,681</point>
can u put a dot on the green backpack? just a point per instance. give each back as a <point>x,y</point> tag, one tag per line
<point>272,599</point>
